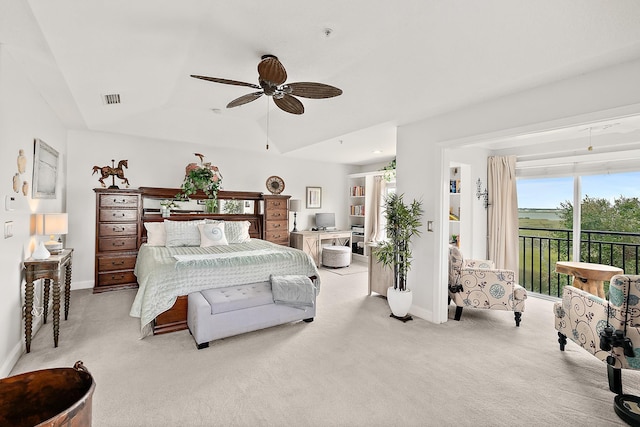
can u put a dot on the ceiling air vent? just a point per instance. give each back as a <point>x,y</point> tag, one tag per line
<point>113,98</point>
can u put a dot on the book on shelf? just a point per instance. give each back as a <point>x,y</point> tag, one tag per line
<point>357,191</point>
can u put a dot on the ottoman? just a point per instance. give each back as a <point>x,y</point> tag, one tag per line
<point>336,256</point>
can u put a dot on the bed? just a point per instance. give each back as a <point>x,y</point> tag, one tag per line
<point>166,273</point>
<point>161,303</point>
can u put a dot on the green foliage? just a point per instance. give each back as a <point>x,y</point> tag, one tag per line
<point>403,222</point>
<point>599,214</point>
<point>389,170</point>
<point>206,178</point>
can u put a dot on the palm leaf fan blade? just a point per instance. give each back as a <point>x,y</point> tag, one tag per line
<point>244,99</point>
<point>314,90</point>
<point>271,70</point>
<point>289,104</point>
<point>226,81</point>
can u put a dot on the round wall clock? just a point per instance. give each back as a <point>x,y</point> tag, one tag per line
<point>275,184</point>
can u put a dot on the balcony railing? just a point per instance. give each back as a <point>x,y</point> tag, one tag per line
<point>540,248</point>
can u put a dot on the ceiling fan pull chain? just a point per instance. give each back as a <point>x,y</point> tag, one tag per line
<point>267,123</point>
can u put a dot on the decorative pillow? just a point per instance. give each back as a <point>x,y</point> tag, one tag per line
<point>182,233</point>
<point>237,231</point>
<point>156,235</point>
<point>212,235</point>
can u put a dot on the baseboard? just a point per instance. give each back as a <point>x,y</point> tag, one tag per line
<point>11,361</point>
<point>421,313</point>
<point>86,284</point>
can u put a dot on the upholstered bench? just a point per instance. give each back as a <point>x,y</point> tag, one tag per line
<point>336,256</point>
<point>223,312</point>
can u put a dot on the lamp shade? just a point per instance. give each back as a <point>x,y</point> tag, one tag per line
<point>295,205</point>
<point>55,223</point>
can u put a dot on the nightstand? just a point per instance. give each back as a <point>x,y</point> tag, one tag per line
<point>51,269</point>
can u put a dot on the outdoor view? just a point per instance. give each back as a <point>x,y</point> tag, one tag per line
<point>609,221</point>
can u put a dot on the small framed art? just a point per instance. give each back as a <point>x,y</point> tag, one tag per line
<point>314,197</point>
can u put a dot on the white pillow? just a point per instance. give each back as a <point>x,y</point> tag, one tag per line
<point>182,233</point>
<point>212,235</point>
<point>156,235</point>
<point>237,231</point>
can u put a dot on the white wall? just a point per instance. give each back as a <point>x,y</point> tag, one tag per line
<point>154,163</point>
<point>24,115</point>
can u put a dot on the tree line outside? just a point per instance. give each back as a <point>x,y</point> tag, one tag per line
<point>610,234</point>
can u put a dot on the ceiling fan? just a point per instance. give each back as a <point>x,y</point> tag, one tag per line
<point>271,76</point>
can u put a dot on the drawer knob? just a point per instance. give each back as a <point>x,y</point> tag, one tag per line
<point>118,243</point>
<point>117,262</point>
<point>114,277</point>
<point>276,214</point>
<point>119,214</point>
<point>276,225</point>
<point>118,229</point>
<point>119,201</point>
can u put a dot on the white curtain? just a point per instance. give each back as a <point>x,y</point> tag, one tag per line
<point>376,227</point>
<point>503,212</point>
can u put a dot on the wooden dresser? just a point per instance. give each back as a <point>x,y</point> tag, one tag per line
<point>276,219</point>
<point>118,236</point>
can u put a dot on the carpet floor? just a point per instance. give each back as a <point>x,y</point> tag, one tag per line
<point>352,366</point>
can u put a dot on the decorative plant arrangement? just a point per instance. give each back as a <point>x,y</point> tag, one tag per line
<point>389,171</point>
<point>403,222</point>
<point>205,177</point>
<point>166,206</point>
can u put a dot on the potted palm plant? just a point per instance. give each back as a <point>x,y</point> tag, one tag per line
<point>403,222</point>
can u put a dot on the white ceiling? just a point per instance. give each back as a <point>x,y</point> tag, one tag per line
<point>396,62</point>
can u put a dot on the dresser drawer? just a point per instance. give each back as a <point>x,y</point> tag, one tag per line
<point>276,225</point>
<point>116,263</point>
<point>117,200</point>
<point>276,204</point>
<point>279,237</point>
<point>117,244</point>
<point>116,278</point>
<point>276,214</point>
<point>118,215</point>
<point>111,230</point>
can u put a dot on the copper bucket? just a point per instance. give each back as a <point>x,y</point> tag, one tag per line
<point>50,397</point>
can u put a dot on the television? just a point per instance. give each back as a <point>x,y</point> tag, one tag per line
<point>325,220</point>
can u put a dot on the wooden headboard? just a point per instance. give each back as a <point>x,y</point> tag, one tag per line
<point>251,199</point>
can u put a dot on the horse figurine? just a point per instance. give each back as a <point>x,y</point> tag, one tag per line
<point>111,171</point>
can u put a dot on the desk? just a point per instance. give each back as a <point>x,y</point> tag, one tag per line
<point>587,276</point>
<point>311,241</point>
<point>50,269</point>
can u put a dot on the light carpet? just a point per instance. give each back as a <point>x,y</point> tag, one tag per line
<point>352,366</point>
<point>354,268</point>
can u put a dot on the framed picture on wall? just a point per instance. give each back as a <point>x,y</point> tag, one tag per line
<point>314,197</point>
<point>45,170</point>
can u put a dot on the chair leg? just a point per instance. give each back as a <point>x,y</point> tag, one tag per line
<point>518,316</point>
<point>458,313</point>
<point>562,340</point>
<point>615,376</point>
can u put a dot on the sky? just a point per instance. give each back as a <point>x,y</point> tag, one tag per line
<point>549,192</point>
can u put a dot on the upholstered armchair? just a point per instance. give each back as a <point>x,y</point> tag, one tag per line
<point>478,284</point>
<point>610,330</point>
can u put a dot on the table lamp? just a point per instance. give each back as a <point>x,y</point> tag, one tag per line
<point>295,205</point>
<point>52,224</point>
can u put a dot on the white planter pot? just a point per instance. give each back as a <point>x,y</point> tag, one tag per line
<point>399,302</point>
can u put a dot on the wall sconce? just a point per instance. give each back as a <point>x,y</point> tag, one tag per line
<point>480,193</point>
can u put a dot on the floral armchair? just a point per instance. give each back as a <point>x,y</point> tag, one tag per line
<point>610,330</point>
<point>478,284</point>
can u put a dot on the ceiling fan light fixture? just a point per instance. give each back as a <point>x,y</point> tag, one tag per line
<point>272,76</point>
